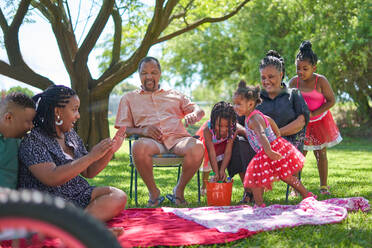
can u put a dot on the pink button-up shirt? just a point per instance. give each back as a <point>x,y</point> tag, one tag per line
<point>164,109</point>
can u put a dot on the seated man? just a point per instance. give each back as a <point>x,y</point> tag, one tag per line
<point>156,115</point>
<point>16,114</point>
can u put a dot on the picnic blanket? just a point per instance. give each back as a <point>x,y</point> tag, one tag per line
<point>213,225</point>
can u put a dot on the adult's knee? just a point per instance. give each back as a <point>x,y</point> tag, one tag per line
<point>139,148</point>
<point>118,199</point>
<point>196,151</point>
<point>143,147</point>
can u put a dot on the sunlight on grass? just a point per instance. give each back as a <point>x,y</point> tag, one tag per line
<point>350,174</point>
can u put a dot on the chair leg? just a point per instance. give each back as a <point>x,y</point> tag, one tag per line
<point>135,187</point>
<point>131,180</point>
<point>198,186</point>
<point>286,194</point>
<point>179,172</point>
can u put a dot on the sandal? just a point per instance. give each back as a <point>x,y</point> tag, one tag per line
<point>173,199</point>
<point>324,190</point>
<point>155,203</point>
<point>247,198</point>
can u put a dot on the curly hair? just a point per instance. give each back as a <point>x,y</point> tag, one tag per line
<point>249,92</point>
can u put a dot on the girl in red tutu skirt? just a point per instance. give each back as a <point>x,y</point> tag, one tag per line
<point>321,131</point>
<point>276,158</point>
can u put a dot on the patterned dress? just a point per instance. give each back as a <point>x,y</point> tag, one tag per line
<point>36,148</point>
<point>285,108</point>
<point>262,171</point>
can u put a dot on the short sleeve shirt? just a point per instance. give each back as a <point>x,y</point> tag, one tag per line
<point>36,148</point>
<point>164,109</point>
<point>8,162</point>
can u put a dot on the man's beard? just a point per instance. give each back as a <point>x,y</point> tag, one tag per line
<point>150,88</point>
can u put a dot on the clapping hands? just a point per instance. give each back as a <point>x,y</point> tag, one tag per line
<point>118,139</point>
<point>99,150</point>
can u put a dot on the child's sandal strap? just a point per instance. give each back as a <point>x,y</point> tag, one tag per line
<point>324,190</point>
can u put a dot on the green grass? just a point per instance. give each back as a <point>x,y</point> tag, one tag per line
<point>350,174</point>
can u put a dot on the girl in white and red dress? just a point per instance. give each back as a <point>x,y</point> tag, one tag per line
<point>276,158</point>
<point>321,131</point>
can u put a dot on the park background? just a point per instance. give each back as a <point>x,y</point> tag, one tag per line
<point>205,48</point>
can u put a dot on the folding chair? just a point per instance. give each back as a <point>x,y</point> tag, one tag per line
<point>159,160</point>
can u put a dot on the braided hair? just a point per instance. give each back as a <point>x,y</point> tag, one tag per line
<point>249,92</point>
<point>306,53</point>
<point>56,96</point>
<point>273,58</point>
<point>223,110</point>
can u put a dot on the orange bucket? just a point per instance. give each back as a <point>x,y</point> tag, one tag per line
<point>219,194</point>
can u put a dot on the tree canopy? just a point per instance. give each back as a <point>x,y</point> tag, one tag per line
<point>136,27</point>
<point>224,53</point>
<point>25,91</point>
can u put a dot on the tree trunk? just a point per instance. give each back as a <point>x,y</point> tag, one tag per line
<point>98,126</point>
<point>93,124</point>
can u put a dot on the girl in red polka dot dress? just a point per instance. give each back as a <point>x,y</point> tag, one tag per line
<point>276,158</point>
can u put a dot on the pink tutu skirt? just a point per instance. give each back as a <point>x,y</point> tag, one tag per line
<point>321,132</point>
<point>262,171</point>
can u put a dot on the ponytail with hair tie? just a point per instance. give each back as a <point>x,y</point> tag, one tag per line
<point>306,53</point>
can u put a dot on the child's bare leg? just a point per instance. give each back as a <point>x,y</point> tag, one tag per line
<point>322,162</point>
<point>297,185</point>
<point>205,178</point>
<point>293,192</point>
<point>242,175</point>
<point>258,195</point>
<point>247,196</point>
<point>304,152</point>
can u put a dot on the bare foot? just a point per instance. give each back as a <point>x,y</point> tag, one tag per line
<point>117,231</point>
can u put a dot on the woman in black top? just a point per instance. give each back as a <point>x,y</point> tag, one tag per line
<point>285,106</point>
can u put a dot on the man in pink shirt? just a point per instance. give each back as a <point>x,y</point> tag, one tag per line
<point>156,115</point>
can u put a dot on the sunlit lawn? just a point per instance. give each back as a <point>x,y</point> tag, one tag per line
<point>350,174</point>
